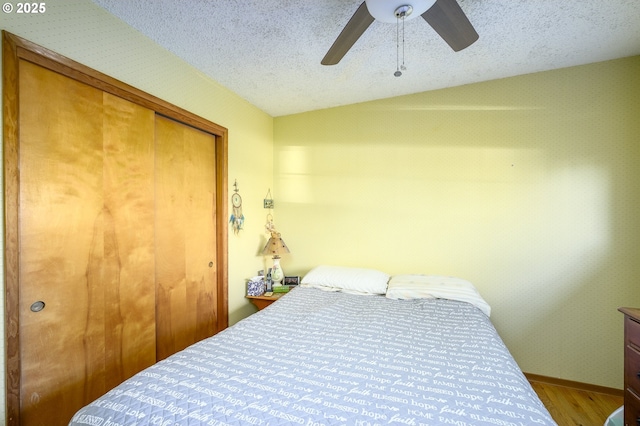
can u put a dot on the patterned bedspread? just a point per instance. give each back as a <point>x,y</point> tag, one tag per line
<point>322,358</point>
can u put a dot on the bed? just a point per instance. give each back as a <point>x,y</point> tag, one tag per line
<point>344,356</point>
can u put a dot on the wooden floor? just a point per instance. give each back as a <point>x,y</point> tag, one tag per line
<point>574,407</point>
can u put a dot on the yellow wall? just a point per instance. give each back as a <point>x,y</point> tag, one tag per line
<point>86,33</point>
<point>528,186</point>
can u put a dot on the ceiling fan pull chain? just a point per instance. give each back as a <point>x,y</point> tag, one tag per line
<point>402,67</point>
<point>401,13</point>
<point>398,73</point>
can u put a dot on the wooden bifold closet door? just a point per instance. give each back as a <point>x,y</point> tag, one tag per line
<point>116,240</point>
<point>87,242</point>
<point>185,236</point>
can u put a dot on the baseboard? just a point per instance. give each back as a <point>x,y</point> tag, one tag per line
<point>574,385</point>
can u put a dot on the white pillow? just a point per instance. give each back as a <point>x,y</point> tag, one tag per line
<point>436,286</point>
<point>346,279</point>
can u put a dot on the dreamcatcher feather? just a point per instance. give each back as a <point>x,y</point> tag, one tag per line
<point>237,219</point>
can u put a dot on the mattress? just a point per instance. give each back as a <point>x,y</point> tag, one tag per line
<point>330,358</point>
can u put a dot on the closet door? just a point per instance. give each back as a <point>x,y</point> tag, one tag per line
<point>86,267</point>
<point>185,226</point>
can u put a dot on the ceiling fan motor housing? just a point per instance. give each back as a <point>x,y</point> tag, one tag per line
<point>386,11</point>
<point>403,12</point>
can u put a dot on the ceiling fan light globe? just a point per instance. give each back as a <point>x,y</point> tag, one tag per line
<point>385,10</point>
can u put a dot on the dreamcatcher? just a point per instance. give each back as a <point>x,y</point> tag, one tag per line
<point>237,218</point>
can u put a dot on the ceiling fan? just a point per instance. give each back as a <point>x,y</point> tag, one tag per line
<point>445,16</point>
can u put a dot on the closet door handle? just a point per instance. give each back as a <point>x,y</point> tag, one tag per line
<point>37,306</point>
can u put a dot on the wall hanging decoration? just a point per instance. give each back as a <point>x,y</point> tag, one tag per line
<point>268,200</point>
<point>237,218</point>
<point>270,226</point>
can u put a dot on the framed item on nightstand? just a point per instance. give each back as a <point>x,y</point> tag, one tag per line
<point>291,280</point>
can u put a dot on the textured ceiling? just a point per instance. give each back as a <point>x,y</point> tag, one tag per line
<point>269,51</point>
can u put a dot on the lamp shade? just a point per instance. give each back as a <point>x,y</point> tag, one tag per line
<point>384,10</point>
<point>276,245</point>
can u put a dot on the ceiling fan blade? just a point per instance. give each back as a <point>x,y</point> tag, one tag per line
<point>450,22</point>
<point>356,26</point>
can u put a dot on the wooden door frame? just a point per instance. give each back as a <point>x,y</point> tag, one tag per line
<point>14,49</point>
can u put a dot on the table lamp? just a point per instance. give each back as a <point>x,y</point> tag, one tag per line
<point>276,246</point>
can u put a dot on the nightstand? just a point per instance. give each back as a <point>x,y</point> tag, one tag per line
<point>631,366</point>
<point>263,301</point>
